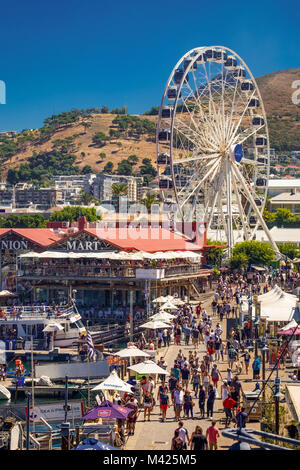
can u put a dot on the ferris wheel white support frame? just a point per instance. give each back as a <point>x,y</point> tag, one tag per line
<point>259,215</point>
<point>204,135</point>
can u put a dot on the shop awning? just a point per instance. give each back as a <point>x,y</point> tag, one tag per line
<point>114,255</point>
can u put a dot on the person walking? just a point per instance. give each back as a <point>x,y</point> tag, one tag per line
<point>206,382</point>
<point>196,381</point>
<point>256,365</point>
<point>246,356</point>
<point>213,434</point>
<point>177,443</point>
<point>147,404</point>
<point>178,402</point>
<point>215,376</point>
<point>188,404</point>
<point>183,434</point>
<point>201,401</point>
<point>198,441</point>
<point>164,404</point>
<point>210,401</point>
<point>185,375</point>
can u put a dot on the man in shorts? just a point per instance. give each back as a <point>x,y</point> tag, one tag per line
<point>195,336</point>
<point>178,402</point>
<point>213,434</point>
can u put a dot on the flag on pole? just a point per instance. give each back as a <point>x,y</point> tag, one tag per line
<point>90,345</point>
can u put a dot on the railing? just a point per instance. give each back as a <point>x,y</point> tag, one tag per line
<point>103,272</point>
<point>82,271</point>
<point>183,270</point>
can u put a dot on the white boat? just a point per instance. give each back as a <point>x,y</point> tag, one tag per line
<point>4,393</point>
<point>31,323</point>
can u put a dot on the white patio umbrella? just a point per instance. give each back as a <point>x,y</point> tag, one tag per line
<point>177,302</point>
<point>155,325</point>
<point>162,316</point>
<point>131,351</point>
<point>113,382</point>
<point>160,300</point>
<point>7,293</point>
<point>168,306</point>
<point>53,327</point>
<point>148,367</point>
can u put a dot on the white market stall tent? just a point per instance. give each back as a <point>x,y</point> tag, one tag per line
<point>277,305</point>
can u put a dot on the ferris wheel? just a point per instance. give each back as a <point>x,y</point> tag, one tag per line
<point>212,145</point>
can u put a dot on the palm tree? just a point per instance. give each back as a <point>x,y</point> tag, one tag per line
<point>149,200</point>
<point>117,191</point>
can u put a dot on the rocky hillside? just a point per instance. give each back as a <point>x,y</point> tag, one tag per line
<point>93,138</point>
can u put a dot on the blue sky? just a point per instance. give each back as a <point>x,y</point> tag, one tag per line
<point>69,53</point>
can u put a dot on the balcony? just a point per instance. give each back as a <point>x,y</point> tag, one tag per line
<point>112,272</point>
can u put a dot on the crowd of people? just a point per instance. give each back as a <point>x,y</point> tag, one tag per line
<point>196,381</point>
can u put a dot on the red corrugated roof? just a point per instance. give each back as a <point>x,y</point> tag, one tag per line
<point>141,239</point>
<point>41,236</point>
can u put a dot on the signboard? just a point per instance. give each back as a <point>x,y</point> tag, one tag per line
<point>149,274</point>
<point>55,412</point>
<point>73,370</point>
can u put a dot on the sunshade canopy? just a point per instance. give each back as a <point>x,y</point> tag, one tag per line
<point>113,382</point>
<point>148,367</point>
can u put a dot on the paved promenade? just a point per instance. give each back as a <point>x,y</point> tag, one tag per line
<point>156,435</point>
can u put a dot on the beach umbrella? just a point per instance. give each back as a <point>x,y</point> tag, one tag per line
<point>113,382</point>
<point>162,316</point>
<point>168,306</point>
<point>148,367</point>
<point>155,325</point>
<point>131,351</point>
<point>7,293</point>
<point>178,302</point>
<point>108,410</point>
<point>160,300</point>
<point>53,327</point>
<point>93,444</point>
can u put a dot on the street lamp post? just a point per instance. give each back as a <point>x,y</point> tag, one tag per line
<point>277,396</point>
<point>264,348</point>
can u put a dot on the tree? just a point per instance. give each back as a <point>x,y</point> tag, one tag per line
<point>149,200</point>
<point>259,253</point>
<point>108,168</point>
<point>23,221</point>
<point>289,249</point>
<point>100,139</point>
<point>119,189</point>
<point>214,255</point>
<point>268,216</point>
<point>147,168</point>
<point>86,125</point>
<point>152,112</point>
<point>283,216</point>
<point>72,213</point>
<point>133,159</point>
<point>124,168</point>
<point>86,198</point>
<point>104,109</point>
<point>86,170</point>
<point>239,261</point>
